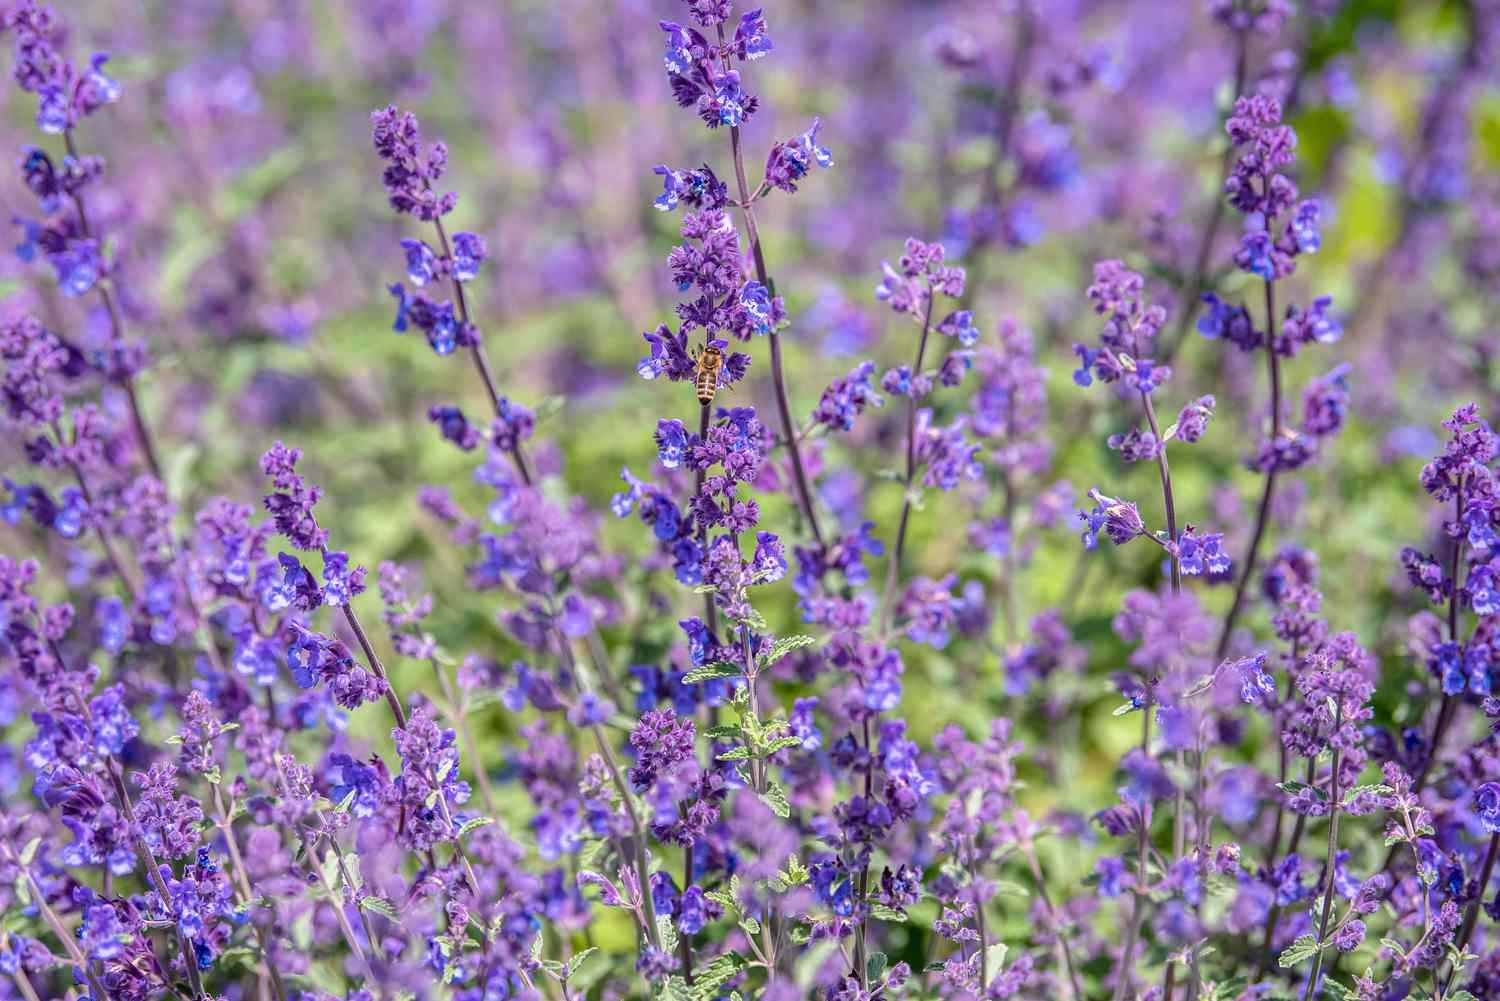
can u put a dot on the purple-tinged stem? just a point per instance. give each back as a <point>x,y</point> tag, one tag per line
<point>710,610</point>
<point>1333,846</point>
<point>1065,953</point>
<point>778,370</point>
<point>684,940</point>
<point>984,938</point>
<point>893,569</point>
<point>1165,472</point>
<point>117,328</point>
<point>68,940</point>
<point>1143,838</point>
<point>1472,917</point>
<point>1268,940</point>
<point>1263,514</point>
<point>154,876</point>
<point>1198,284</point>
<point>376,666</point>
<point>225,823</point>
<point>993,197</point>
<point>1450,705</point>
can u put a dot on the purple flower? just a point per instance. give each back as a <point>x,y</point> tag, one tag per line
<point>469,252</point>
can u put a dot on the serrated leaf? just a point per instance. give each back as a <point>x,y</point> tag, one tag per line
<point>592,853</point>
<point>1299,951</point>
<point>875,966</point>
<point>775,798</point>
<point>889,914</point>
<point>735,754</point>
<point>708,672</point>
<point>380,906</point>
<point>474,824</point>
<point>718,972</point>
<point>784,646</point>
<point>782,742</point>
<point>667,932</point>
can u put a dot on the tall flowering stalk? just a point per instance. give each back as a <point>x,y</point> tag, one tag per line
<point>703,75</point>
<point>1278,230</point>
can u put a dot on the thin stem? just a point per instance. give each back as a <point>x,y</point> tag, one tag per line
<point>1333,846</point>
<point>638,834</point>
<point>710,610</point>
<point>1168,504</point>
<point>476,340</point>
<point>1263,514</point>
<point>1199,281</point>
<point>375,665</point>
<point>778,369</point>
<point>117,327</point>
<point>1472,916</point>
<point>461,724</point>
<point>993,197</point>
<point>984,939</point>
<point>1137,908</point>
<point>893,569</point>
<point>684,940</point>
<point>225,824</point>
<point>154,877</point>
<point>1064,952</point>
<point>49,916</point>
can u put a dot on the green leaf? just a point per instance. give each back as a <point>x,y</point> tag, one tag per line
<point>380,906</point>
<point>1305,948</point>
<point>718,972</point>
<point>579,959</point>
<point>345,803</point>
<point>736,754</point>
<point>875,966</point>
<point>29,851</point>
<point>474,824</point>
<point>775,798</point>
<point>708,672</point>
<point>674,989</point>
<point>889,914</point>
<point>667,933</point>
<point>995,957</point>
<point>782,742</point>
<point>784,646</point>
<point>1125,709</point>
<point>591,854</point>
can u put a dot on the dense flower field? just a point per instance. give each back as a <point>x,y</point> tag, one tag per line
<point>668,499</point>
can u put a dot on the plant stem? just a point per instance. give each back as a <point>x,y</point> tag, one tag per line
<point>1333,846</point>
<point>1263,514</point>
<point>154,877</point>
<point>1199,282</point>
<point>117,328</point>
<point>225,824</point>
<point>1137,907</point>
<point>376,666</point>
<point>710,610</point>
<point>893,569</point>
<point>1165,473</point>
<point>993,197</point>
<point>778,369</point>
<point>1472,916</point>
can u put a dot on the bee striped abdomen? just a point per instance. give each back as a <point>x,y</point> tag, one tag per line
<point>706,379</point>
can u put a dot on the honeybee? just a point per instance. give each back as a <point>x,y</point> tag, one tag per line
<point>710,361</point>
